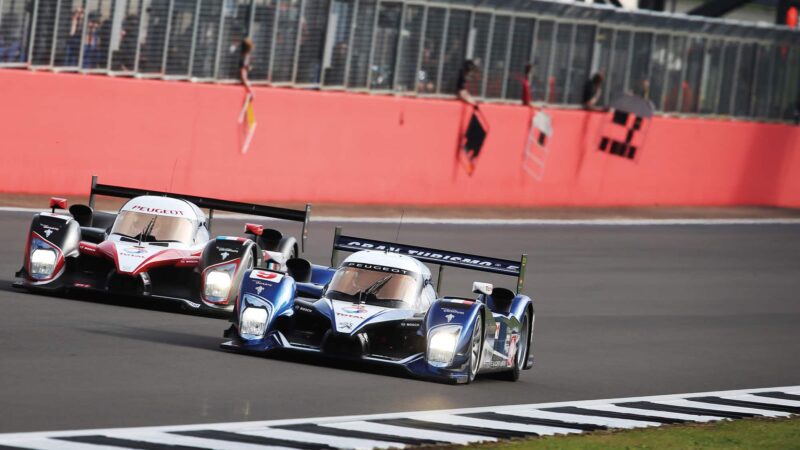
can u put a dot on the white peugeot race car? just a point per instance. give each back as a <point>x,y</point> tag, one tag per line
<point>157,245</point>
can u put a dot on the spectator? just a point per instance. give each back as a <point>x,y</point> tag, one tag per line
<point>245,64</point>
<point>526,86</point>
<point>74,38</point>
<point>124,57</point>
<point>592,90</point>
<point>91,47</point>
<point>468,70</point>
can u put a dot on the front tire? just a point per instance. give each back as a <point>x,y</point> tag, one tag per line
<point>476,350</point>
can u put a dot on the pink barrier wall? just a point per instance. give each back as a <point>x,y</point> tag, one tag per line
<point>56,130</point>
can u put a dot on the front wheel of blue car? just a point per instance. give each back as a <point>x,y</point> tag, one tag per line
<point>476,350</point>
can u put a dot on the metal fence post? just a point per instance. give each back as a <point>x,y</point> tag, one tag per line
<point>325,54</point>
<point>612,50</point>
<point>372,43</point>
<point>488,54</point>
<point>552,57</point>
<point>168,31</point>
<point>193,46</point>
<point>219,40</point>
<point>399,46</point>
<point>252,18</point>
<point>735,87</point>
<point>571,54</point>
<point>439,70</point>
<point>32,31</point>
<point>650,64</point>
<point>353,27</point>
<point>421,48</point>
<point>298,35</point>
<point>629,63</point>
<point>509,45</point>
<point>274,38</point>
<point>110,51</point>
<point>142,10</point>
<point>55,33</point>
<point>83,36</point>
<point>684,69</point>
<point>533,51</point>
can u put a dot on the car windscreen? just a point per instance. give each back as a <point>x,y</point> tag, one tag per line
<point>153,227</point>
<point>377,287</point>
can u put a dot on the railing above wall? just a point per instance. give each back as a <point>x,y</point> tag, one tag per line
<point>684,65</point>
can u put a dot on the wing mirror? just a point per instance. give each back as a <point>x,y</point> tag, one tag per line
<point>252,228</point>
<point>56,202</point>
<point>482,288</point>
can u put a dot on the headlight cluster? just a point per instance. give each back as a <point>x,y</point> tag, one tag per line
<point>253,323</point>
<point>218,283</point>
<point>442,343</point>
<point>43,259</point>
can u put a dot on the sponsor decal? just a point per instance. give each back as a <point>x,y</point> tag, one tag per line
<point>350,316</point>
<point>303,309</point>
<point>85,247</point>
<point>224,255</point>
<point>512,349</point>
<point>496,364</point>
<point>410,324</point>
<point>449,318</point>
<point>48,230</point>
<point>259,289</point>
<point>377,268</point>
<point>271,277</point>
<point>497,331</point>
<point>346,326</point>
<point>168,212</point>
<point>355,309</point>
<point>134,250</point>
<point>82,285</point>
<point>453,311</point>
<point>422,253</point>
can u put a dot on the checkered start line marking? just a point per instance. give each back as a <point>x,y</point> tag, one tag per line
<point>457,426</point>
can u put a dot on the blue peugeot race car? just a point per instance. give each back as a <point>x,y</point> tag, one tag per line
<point>380,305</point>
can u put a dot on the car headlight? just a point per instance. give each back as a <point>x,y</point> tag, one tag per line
<point>218,283</point>
<point>43,262</point>
<point>253,323</point>
<point>442,343</point>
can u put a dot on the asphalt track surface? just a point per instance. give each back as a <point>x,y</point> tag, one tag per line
<point>620,311</point>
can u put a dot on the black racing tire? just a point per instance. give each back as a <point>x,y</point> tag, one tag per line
<point>521,353</point>
<point>475,351</point>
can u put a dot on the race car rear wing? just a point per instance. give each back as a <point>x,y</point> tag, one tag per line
<point>211,204</point>
<point>433,256</point>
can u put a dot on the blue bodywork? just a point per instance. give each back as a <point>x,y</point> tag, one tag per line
<point>300,318</point>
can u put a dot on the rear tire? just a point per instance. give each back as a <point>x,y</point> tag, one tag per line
<point>475,351</point>
<point>521,354</point>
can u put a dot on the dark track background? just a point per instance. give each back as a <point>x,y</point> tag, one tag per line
<point>620,311</point>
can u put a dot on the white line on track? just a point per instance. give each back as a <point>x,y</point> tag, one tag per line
<point>500,222</point>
